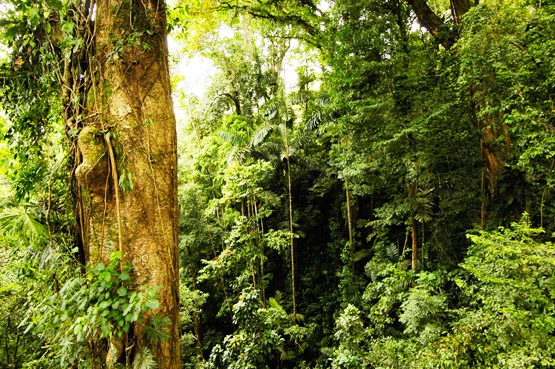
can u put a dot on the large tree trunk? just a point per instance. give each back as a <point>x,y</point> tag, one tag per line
<point>130,138</point>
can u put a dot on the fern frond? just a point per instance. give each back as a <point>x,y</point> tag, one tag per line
<point>392,252</point>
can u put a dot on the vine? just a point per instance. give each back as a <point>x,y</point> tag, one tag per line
<point>114,174</point>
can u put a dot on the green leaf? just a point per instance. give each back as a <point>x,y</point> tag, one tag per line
<point>126,308</point>
<point>122,291</point>
<point>99,267</point>
<point>67,27</point>
<point>21,222</point>
<point>54,4</point>
<point>77,328</point>
<point>152,304</point>
<point>124,276</point>
<point>104,305</point>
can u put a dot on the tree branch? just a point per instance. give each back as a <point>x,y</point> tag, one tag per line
<point>426,17</point>
<point>283,17</point>
<point>429,20</point>
<point>235,101</point>
<point>459,8</point>
<point>435,25</point>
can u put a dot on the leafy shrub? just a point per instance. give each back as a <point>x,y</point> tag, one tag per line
<point>87,312</point>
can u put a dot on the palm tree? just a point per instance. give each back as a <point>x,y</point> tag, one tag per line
<point>275,141</point>
<point>421,211</point>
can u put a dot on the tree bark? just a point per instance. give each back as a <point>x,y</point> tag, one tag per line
<point>434,24</point>
<point>459,8</point>
<point>130,203</point>
<point>426,17</point>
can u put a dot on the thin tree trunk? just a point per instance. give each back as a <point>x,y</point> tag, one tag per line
<point>215,254</point>
<point>483,202</point>
<point>196,321</point>
<point>260,227</point>
<point>422,248</point>
<point>542,204</point>
<point>133,111</point>
<point>291,228</point>
<point>414,236</point>
<point>413,189</point>
<point>15,356</point>
<point>350,226</point>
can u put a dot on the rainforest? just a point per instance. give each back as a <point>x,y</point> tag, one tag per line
<point>277,184</point>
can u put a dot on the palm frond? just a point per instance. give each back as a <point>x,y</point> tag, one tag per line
<point>314,120</point>
<point>239,154</point>
<point>302,139</point>
<point>269,151</point>
<point>234,138</point>
<point>306,163</point>
<point>322,100</point>
<point>424,206</point>
<point>301,97</point>
<point>157,330</point>
<point>261,133</point>
<point>19,222</point>
<point>270,110</point>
